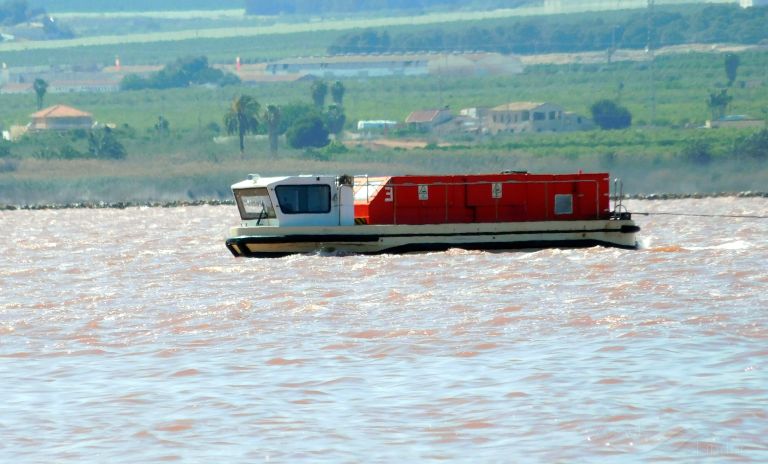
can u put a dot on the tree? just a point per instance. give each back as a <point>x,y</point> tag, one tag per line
<point>14,12</point>
<point>162,126</point>
<point>191,70</point>
<point>731,67</point>
<point>272,118</point>
<point>291,113</point>
<point>335,119</point>
<point>104,144</point>
<point>133,82</point>
<point>308,132</point>
<point>319,91</point>
<point>242,118</point>
<point>337,93</point>
<point>609,115</point>
<point>718,103</point>
<point>41,87</point>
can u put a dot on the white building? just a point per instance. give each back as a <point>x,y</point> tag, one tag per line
<point>362,66</point>
<point>376,125</point>
<point>751,3</point>
<point>531,117</point>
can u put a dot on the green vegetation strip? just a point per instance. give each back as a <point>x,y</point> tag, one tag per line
<point>283,28</point>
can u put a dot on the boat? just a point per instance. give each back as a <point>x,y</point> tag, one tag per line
<point>347,214</point>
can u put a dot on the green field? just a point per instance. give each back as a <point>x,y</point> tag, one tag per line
<point>187,163</point>
<point>682,84</point>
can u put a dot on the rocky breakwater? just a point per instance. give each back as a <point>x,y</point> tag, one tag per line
<point>683,196</point>
<point>116,205</point>
<point>183,203</point>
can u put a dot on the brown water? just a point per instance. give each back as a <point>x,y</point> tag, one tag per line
<point>134,336</point>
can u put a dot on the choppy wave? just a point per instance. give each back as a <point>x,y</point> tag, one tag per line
<point>132,335</point>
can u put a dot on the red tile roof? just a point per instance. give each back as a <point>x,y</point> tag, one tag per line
<point>422,116</point>
<point>60,111</point>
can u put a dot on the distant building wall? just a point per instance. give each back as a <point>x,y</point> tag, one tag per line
<point>734,122</point>
<point>64,123</point>
<point>527,117</point>
<point>361,66</point>
<point>349,67</point>
<point>96,87</point>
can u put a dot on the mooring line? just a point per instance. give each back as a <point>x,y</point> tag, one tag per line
<point>739,216</point>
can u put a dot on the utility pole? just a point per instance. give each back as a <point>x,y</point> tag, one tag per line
<point>651,58</point>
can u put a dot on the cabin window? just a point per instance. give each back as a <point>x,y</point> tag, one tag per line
<point>564,204</point>
<point>254,203</point>
<point>304,199</point>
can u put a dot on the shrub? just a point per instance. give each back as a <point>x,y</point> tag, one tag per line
<point>755,146</point>
<point>317,155</point>
<point>104,144</point>
<point>308,132</point>
<point>46,153</point>
<point>5,149</point>
<point>335,148</point>
<point>696,152</point>
<point>9,165</point>
<point>68,152</point>
<point>609,115</point>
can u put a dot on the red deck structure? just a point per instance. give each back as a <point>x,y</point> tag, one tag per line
<point>481,198</point>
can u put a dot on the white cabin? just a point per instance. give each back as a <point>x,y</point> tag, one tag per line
<point>295,201</point>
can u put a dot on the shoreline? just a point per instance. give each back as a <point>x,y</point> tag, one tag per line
<point>186,203</point>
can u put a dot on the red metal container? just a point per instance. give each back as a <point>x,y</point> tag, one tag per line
<point>507,197</point>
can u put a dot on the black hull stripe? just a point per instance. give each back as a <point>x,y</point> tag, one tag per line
<point>367,238</point>
<point>434,247</point>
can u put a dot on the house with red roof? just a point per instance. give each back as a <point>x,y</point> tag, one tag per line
<point>428,119</point>
<point>60,117</point>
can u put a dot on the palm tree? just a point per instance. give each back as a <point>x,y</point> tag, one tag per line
<point>718,103</point>
<point>335,120</point>
<point>337,93</point>
<point>40,87</point>
<point>731,67</point>
<point>242,117</point>
<point>319,92</point>
<point>272,118</point>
